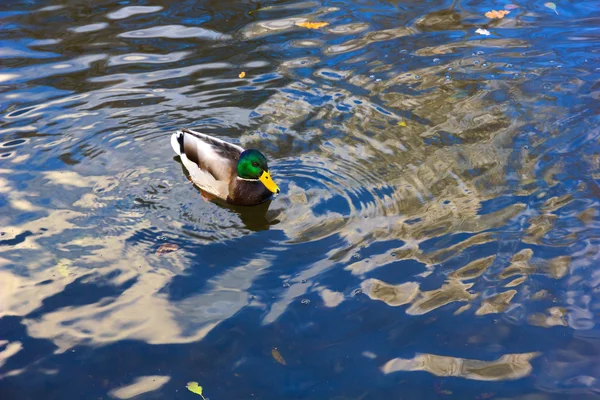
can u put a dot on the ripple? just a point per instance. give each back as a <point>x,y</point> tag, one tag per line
<point>473,269</point>
<point>90,28</point>
<point>137,58</point>
<point>24,51</point>
<point>175,32</point>
<point>432,180</point>
<point>457,46</point>
<point>45,70</point>
<point>497,303</point>
<point>392,295</point>
<point>51,8</point>
<point>141,385</point>
<point>348,29</point>
<point>507,367</point>
<point>368,38</point>
<point>306,43</point>
<point>130,11</point>
<point>433,299</point>
<point>14,143</point>
<point>294,6</point>
<point>259,29</point>
<point>8,77</point>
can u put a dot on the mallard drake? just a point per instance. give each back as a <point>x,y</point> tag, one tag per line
<point>225,170</point>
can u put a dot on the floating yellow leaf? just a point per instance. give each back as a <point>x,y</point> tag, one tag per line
<point>551,6</point>
<point>401,123</point>
<point>277,356</point>
<point>63,267</point>
<point>242,74</point>
<point>312,25</point>
<point>62,270</point>
<point>195,388</point>
<point>496,14</point>
<point>167,248</point>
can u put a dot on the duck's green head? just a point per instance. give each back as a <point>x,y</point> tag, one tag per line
<point>253,165</point>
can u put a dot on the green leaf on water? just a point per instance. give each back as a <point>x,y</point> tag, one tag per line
<point>195,388</point>
<point>551,6</point>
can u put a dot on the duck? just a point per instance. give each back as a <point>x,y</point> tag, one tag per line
<point>225,170</point>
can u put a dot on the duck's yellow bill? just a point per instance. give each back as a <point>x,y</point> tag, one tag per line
<point>265,178</point>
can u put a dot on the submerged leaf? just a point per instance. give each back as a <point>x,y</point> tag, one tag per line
<point>242,74</point>
<point>551,6</point>
<point>194,388</point>
<point>493,14</point>
<point>277,356</point>
<point>483,32</point>
<point>312,25</point>
<point>167,248</point>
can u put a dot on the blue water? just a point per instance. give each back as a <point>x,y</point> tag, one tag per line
<point>437,234</point>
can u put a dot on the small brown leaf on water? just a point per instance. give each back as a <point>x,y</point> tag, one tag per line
<point>167,248</point>
<point>277,356</point>
<point>493,14</point>
<point>312,25</point>
<point>242,74</point>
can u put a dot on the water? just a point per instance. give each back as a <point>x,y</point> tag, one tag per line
<point>437,234</point>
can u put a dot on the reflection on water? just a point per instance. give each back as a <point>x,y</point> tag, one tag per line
<point>439,201</point>
<point>509,366</point>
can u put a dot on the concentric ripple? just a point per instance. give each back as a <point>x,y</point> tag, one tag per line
<point>436,236</point>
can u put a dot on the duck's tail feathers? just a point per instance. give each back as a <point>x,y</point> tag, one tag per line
<point>177,142</point>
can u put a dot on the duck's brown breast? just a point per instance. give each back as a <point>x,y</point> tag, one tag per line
<point>247,193</point>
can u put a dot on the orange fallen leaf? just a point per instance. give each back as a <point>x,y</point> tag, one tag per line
<point>242,74</point>
<point>312,25</point>
<point>496,14</point>
<point>277,356</point>
<point>167,248</point>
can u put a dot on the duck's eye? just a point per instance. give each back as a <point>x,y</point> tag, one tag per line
<point>255,164</point>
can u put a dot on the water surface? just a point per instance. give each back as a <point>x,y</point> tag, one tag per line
<point>437,235</point>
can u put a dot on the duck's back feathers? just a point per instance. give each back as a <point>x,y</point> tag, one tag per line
<point>211,162</point>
